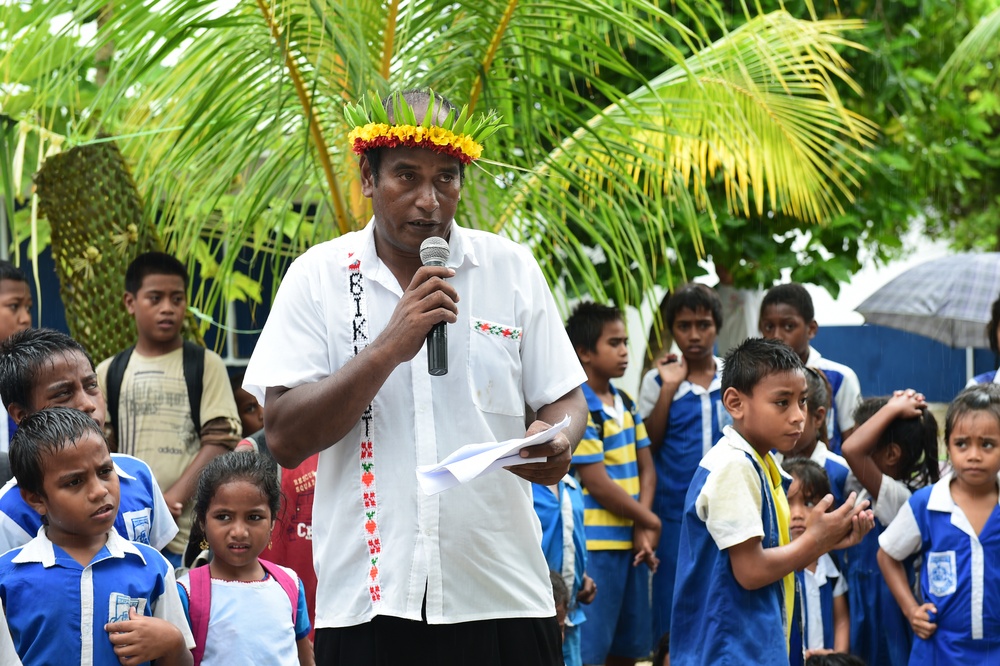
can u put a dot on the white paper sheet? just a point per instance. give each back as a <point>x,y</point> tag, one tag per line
<point>474,460</point>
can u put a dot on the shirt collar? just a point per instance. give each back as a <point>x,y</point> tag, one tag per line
<point>459,245</point>
<point>735,440</point>
<point>941,499</point>
<point>813,357</point>
<point>825,569</point>
<point>42,551</point>
<point>122,473</point>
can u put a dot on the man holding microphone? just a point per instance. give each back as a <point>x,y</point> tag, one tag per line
<point>405,577</point>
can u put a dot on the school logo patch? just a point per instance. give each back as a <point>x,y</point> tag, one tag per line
<point>941,573</point>
<point>119,604</point>
<point>137,525</point>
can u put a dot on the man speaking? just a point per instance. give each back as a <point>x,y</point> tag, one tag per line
<point>404,577</point>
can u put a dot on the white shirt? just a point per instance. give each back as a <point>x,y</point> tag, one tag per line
<point>814,580</point>
<point>474,548</point>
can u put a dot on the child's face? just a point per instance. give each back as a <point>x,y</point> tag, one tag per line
<point>15,307</point>
<point>158,307</point>
<point>238,526</point>
<point>798,507</point>
<point>694,332</point>
<point>780,321</point>
<point>810,433</point>
<point>774,415</point>
<point>65,380</point>
<point>251,413</point>
<point>80,491</point>
<point>610,356</point>
<point>974,450</point>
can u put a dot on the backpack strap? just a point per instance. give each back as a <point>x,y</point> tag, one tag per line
<point>116,373</point>
<point>287,583</point>
<point>598,416</point>
<point>194,373</point>
<point>199,607</point>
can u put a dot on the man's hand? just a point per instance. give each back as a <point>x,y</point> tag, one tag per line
<point>428,299</point>
<point>557,453</point>
<point>841,528</point>
<point>672,370</point>
<point>140,639</point>
<point>588,590</point>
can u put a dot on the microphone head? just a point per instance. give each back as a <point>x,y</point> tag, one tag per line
<point>434,251</point>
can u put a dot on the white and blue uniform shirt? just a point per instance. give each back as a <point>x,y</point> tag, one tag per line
<point>564,540</point>
<point>846,396</point>
<point>57,608</point>
<point>715,620</point>
<point>837,470</point>
<point>958,575</point>
<point>250,619</point>
<point>143,514</point>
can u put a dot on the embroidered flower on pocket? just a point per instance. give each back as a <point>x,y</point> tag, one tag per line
<point>499,330</point>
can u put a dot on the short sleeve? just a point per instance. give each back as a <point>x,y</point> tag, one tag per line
<point>293,347</point>
<point>840,587</point>
<point>302,626</point>
<point>591,447</point>
<point>649,393</point>
<point>641,437</point>
<point>217,399</point>
<point>730,504</point>
<point>168,607</point>
<point>8,655</point>
<point>162,529</point>
<point>847,399</point>
<point>892,497</point>
<point>182,594</point>
<point>902,538</point>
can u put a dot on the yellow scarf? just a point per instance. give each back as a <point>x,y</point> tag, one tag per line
<point>784,533</point>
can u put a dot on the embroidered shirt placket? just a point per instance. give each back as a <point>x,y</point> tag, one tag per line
<point>367,458</point>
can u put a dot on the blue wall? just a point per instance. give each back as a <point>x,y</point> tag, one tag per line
<point>886,359</point>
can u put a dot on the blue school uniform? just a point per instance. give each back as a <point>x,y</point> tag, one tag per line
<point>846,396</point>
<point>143,515</point>
<point>715,620</point>
<point>880,633</point>
<point>57,608</point>
<point>958,576</point>
<point>836,468</point>
<point>694,425</point>
<point>564,544</point>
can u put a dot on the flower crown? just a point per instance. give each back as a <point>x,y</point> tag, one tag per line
<point>460,137</point>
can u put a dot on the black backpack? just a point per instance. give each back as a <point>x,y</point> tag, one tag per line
<point>194,370</point>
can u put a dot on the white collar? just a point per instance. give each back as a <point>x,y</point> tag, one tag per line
<point>825,570</point>
<point>736,441</point>
<point>460,247</point>
<point>814,356</point>
<point>40,550</point>
<point>119,471</point>
<point>941,499</point>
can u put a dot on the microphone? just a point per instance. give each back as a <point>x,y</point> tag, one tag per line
<point>434,251</point>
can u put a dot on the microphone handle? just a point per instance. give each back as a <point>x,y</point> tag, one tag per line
<point>437,350</point>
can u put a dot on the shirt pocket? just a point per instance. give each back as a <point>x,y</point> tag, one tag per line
<point>495,367</point>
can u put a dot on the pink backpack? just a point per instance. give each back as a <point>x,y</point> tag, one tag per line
<point>200,601</point>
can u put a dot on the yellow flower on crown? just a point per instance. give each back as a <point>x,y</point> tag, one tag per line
<point>459,136</point>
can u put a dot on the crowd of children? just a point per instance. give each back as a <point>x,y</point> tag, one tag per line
<point>751,509</point>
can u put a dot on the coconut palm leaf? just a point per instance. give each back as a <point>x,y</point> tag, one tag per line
<point>232,120</point>
<point>977,52</point>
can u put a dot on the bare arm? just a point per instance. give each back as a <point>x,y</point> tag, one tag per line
<point>183,488</point>
<point>755,567</point>
<point>859,447</point>
<point>841,624</point>
<point>895,577</point>
<point>305,648</point>
<point>294,433</point>
<point>645,539</point>
<point>558,451</point>
<point>673,371</point>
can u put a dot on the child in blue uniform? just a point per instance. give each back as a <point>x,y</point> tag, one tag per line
<point>615,467</point>
<point>735,578</point>
<point>78,593</point>
<point>812,443</point>
<point>824,618</point>
<point>42,368</point>
<point>892,453</point>
<point>955,526</point>
<point>243,607</point>
<point>680,401</point>
<point>787,314</point>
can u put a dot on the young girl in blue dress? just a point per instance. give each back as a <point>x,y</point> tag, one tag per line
<point>892,453</point>
<point>955,526</point>
<point>243,610</point>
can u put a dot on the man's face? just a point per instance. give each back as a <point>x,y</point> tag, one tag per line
<point>416,197</point>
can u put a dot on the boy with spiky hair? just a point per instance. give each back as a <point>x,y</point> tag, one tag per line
<point>155,416</point>
<point>78,592</point>
<point>735,585</point>
<point>41,368</point>
<point>787,314</point>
